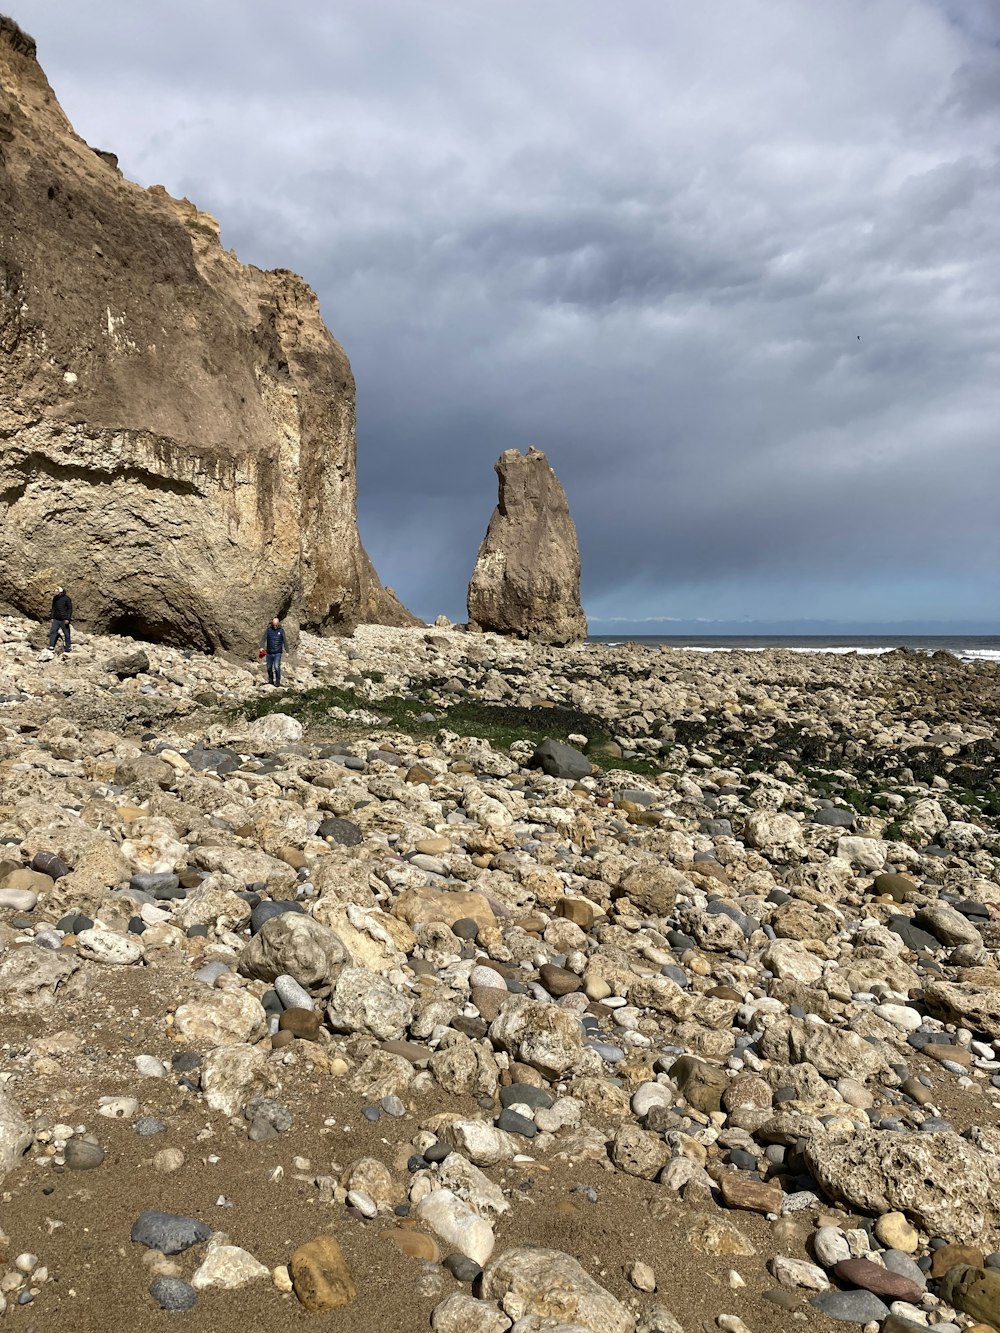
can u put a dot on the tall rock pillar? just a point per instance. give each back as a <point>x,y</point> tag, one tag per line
<point>527,576</point>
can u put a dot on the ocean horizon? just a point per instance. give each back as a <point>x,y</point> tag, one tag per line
<point>966,647</point>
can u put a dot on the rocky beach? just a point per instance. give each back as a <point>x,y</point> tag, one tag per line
<point>471,984</point>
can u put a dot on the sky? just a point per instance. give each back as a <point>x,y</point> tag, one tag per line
<point>733,265</point>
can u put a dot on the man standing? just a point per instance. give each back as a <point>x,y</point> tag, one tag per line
<point>62,614</point>
<point>274,645</point>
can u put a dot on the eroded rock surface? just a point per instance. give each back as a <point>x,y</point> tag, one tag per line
<point>527,576</point>
<point>190,416</point>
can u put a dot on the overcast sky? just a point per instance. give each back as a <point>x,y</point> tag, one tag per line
<point>732,264</point>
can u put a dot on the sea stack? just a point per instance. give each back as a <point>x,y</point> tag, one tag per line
<point>527,576</point>
<point>176,428</point>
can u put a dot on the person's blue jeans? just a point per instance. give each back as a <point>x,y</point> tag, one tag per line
<point>274,668</point>
<point>59,627</point>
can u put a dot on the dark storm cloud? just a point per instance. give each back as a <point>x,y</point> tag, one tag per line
<point>645,238</point>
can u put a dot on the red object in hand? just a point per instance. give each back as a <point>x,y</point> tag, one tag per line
<point>261,652</point>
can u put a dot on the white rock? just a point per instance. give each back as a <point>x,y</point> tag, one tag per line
<point>168,1160</point>
<point>456,1223</point>
<point>363,1202</point>
<point>228,1267</point>
<point>641,1276</point>
<point>275,729</point>
<point>482,1143</point>
<point>106,946</point>
<point>148,1066</point>
<point>766,830</point>
<point>291,994</point>
<point>865,853</point>
<point>790,960</point>
<point>900,1016</point>
<point>462,1313</point>
<point>486,978</point>
<point>15,1134</point>
<point>221,1018</point>
<point>19,900</point>
<point>546,1282</point>
<point>648,1095</point>
<point>829,1245</point>
<point>363,1001</point>
<point>230,1075</point>
<point>472,1186</point>
<point>798,1273</point>
<point>118,1108</point>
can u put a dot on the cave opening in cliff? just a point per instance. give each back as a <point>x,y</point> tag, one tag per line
<point>131,624</point>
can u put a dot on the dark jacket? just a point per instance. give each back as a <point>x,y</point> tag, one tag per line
<point>62,607</point>
<point>274,639</point>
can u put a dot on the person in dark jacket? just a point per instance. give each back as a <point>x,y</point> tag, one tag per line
<point>274,643</point>
<point>62,615</point>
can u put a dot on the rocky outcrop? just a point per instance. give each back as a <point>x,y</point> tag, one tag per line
<point>176,428</point>
<point>527,576</point>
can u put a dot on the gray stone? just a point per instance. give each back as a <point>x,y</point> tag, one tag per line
<point>291,994</point>
<point>559,760</point>
<point>850,1307</point>
<point>80,1155</point>
<point>172,1293</point>
<point>341,831</point>
<point>167,1232</point>
<point>148,1125</point>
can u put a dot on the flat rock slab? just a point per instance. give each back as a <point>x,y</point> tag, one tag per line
<point>168,1233</point>
<point>850,1307</point>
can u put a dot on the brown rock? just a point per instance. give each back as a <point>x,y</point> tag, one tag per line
<point>581,911</point>
<point>321,1278</point>
<point>181,398</point>
<point>558,980</point>
<point>881,1281</point>
<point>974,1291</point>
<point>417,774</point>
<point>896,887</point>
<point>527,576</point>
<point>741,1190</point>
<point>293,857</point>
<point>951,1256</point>
<point>488,1000</point>
<point>422,905</point>
<point>302,1023</point>
<point>415,1245</point>
<point>22,878</point>
<point>718,1236</point>
<point>409,1050</point>
<point>916,1090</point>
<point>941,1051</point>
<point>700,1084</point>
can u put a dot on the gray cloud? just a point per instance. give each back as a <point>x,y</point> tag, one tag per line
<point>645,238</point>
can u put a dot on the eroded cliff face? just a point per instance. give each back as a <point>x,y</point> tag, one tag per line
<point>176,428</point>
<point>527,576</point>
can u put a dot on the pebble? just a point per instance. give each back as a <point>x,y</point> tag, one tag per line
<point>79,1155</point>
<point>172,1293</point>
<point>642,1277</point>
<point>291,994</point>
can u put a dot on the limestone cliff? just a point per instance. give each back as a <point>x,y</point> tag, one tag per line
<point>527,576</point>
<point>176,428</point>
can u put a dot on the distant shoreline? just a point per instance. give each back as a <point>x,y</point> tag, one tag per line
<point>966,647</point>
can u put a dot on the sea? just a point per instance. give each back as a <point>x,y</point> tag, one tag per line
<point>967,647</point>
